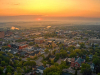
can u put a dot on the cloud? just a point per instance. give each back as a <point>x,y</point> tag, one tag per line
<point>13,28</point>
<point>48,27</point>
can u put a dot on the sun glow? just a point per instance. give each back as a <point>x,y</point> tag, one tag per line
<point>39,19</point>
<point>50,7</point>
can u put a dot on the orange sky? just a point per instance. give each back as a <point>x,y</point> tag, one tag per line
<point>84,8</point>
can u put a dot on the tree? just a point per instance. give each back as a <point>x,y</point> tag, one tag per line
<point>87,59</point>
<point>98,74</point>
<point>25,69</point>
<point>63,54</point>
<point>54,70</point>
<point>85,69</point>
<point>5,47</point>
<point>9,69</point>
<point>19,70</point>
<point>96,61</point>
<point>31,43</point>
<point>36,45</point>
<point>46,50</point>
<point>3,63</point>
<point>19,74</point>
<point>30,63</point>
<point>15,73</point>
<point>8,73</point>
<point>1,70</point>
<point>73,54</point>
<point>82,45</point>
<point>44,63</point>
<point>75,72</point>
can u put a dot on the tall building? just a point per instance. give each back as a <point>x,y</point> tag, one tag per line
<point>2,34</point>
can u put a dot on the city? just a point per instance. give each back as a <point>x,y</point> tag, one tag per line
<point>52,50</point>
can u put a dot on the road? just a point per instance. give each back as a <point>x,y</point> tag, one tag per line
<point>38,61</point>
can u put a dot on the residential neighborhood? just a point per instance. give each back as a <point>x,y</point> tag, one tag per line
<point>66,50</point>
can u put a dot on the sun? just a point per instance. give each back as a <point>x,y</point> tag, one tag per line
<point>39,19</point>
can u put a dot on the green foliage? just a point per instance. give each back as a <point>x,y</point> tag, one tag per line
<point>3,63</point>
<point>8,73</point>
<point>98,74</point>
<point>5,47</point>
<point>36,45</point>
<point>63,65</point>
<point>18,63</point>
<point>63,54</point>
<point>73,54</point>
<point>84,67</point>
<point>46,50</point>
<point>96,60</point>
<point>82,45</point>
<point>1,70</point>
<point>21,40</point>
<point>29,63</point>
<point>15,73</point>
<point>44,63</point>
<point>19,70</point>
<point>25,69</point>
<point>31,43</point>
<point>9,69</point>
<point>71,48</point>
<point>53,70</point>
<point>87,59</point>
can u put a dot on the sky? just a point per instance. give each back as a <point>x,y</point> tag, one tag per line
<point>58,8</point>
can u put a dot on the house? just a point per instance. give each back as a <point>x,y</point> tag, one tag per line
<point>40,69</point>
<point>76,62</point>
<point>24,54</point>
<point>7,50</point>
<point>14,51</point>
<point>77,46</point>
<point>68,52</point>
<point>90,57</point>
<point>36,53</point>
<point>50,43</point>
<point>68,59</point>
<point>83,56</point>
<point>18,45</point>
<point>30,48</point>
<point>21,46</point>
<point>57,51</point>
<point>2,34</point>
<point>92,66</point>
<point>13,59</point>
<point>39,40</point>
<point>34,68</point>
<point>52,57</point>
<point>4,71</point>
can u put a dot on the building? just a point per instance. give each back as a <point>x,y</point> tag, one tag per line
<point>2,34</point>
<point>94,41</point>
<point>76,62</point>
<point>24,54</point>
<point>33,55</point>
<point>52,57</point>
<point>8,33</point>
<point>40,69</point>
<point>39,40</point>
<point>18,45</point>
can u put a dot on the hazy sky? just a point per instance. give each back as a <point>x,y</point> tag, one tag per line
<point>84,8</point>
